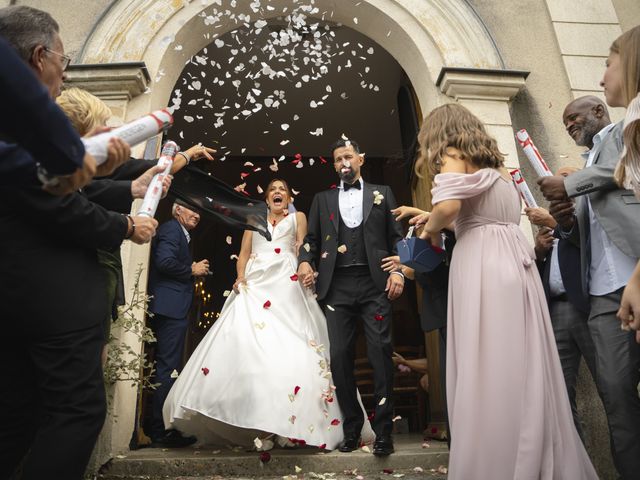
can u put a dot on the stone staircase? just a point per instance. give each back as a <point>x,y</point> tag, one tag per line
<point>411,461</point>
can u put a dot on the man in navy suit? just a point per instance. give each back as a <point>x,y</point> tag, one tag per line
<point>171,285</point>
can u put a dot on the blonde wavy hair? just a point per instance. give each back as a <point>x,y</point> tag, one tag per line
<point>86,111</point>
<point>627,46</point>
<point>452,125</point>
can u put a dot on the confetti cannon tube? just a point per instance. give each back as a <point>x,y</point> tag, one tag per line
<point>532,153</point>
<point>154,192</point>
<point>133,133</point>
<point>523,188</point>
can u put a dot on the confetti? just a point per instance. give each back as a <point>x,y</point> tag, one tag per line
<point>205,371</point>
<point>229,240</point>
<point>266,304</point>
<point>342,248</point>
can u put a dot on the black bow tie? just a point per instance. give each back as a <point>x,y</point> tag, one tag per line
<point>355,185</point>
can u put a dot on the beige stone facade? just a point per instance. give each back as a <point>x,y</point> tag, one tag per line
<point>515,64</point>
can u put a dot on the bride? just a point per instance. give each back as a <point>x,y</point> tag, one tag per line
<point>263,367</point>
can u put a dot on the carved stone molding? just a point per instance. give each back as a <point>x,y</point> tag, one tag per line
<point>480,84</point>
<point>110,81</point>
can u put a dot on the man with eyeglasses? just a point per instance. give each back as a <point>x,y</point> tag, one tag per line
<point>52,289</point>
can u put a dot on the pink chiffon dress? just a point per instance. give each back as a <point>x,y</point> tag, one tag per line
<point>508,405</point>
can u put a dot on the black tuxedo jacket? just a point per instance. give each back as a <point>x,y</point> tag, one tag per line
<point>569,263</point>
<point>50,279</point>
<point>381,233</point>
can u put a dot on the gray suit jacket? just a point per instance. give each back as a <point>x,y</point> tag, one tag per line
<point>617,210</point>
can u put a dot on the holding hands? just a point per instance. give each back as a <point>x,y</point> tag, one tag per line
<point>306,275</point>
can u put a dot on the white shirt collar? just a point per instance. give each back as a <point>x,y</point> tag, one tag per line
<point>597,139</point>
<point>186,232</point>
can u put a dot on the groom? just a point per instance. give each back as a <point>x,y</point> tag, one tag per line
<point>351,229</point>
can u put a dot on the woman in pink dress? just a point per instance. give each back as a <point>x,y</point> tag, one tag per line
<point>508,406</point>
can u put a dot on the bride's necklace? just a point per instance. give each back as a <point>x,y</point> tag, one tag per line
<point>275,219</point>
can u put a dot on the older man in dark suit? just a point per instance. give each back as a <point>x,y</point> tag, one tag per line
<point>351,229</point>
<point>606,226</point>
<point>171,286</point>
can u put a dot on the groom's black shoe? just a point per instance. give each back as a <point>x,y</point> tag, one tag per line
<point>383,446</point>
<point>350,443</point>
<point>172,439</point>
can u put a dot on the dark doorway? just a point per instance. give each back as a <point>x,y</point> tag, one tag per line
<point>369,101</point>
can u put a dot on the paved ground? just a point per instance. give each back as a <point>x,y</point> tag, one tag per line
<point>411,461</point>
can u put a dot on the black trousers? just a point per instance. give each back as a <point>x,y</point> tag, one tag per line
<point>170,334</point>
<point>617,377</point>
<point>353,295</point>
<point>53,403</point>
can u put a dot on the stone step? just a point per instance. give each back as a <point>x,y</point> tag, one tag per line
<point>207,463</point>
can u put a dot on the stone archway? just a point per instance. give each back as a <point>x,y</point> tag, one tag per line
<point>442,45</point>
<point>423,35</point>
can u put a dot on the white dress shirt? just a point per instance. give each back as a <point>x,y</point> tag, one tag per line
<point>610,269</point>
<point>556,285</point>
<point>186,233</point>
<point>350,203</point>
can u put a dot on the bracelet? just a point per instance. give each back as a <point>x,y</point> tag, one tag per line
<point>133,228</point>
<point>186,157</point>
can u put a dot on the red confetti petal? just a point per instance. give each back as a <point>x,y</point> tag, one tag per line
<point>205,370</point>
<point>323,446</point>
<point>265,457</point>
<point>371,416</point>
<point>333,185</point>
<point>267,304</point>
<point>322,159</point>
<point>335,422</point>
<point>277,250</point>
<point>296,390</point>
<point>331,216</point>
<point>330,400</point>
<point>294,277</point>
<point>388,471</point>
<point>244,175</point>
<point>378,317</point>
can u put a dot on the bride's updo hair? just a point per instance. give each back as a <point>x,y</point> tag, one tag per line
<point>286,187</point>
<point>452,125</point>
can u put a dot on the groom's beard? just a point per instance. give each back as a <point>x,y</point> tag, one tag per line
<point>348,177</point>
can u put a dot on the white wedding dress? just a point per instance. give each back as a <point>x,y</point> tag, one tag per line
<point>263,367</point>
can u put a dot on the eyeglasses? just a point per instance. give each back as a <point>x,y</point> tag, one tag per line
<point>66,59</point>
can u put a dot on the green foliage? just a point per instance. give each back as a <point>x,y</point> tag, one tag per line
<point>124,364</point>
